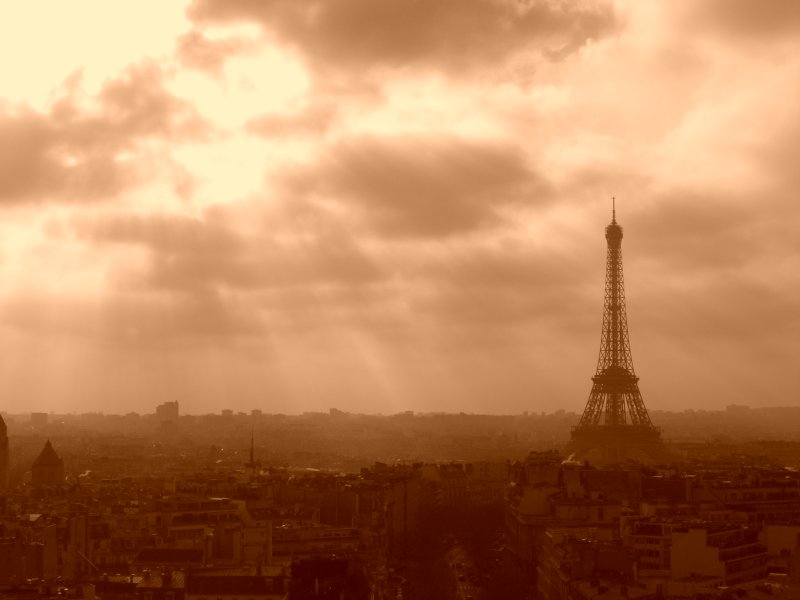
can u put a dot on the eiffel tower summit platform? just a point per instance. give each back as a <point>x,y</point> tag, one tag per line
<point>615,425</point>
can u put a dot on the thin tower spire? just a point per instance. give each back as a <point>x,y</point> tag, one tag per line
<point>252,443</point>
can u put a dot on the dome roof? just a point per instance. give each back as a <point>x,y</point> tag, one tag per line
<point>48,457</point>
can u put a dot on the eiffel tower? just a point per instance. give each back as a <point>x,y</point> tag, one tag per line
<point>615,425</point>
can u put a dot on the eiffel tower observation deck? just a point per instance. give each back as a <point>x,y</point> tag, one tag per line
<point>615,425</point>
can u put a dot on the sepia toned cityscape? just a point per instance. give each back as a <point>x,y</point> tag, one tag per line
<point>302,299</point>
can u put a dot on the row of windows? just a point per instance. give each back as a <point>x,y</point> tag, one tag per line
<point>650,541</point>
<point>744,565</point>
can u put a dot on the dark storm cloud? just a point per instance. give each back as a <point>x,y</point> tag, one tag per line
<point>450,33</point>
<point>691,227</point>
<point>165,234</point>
<point>202,254</point>
<point>73,152</point>
<point>411,186</point>
<point>747,18</point>
<point>514,284</point>
<point>714,268</point>
<point>726,306</point>
<point>268,264</point>
<point>693,231</point>
<point>196,51</point>
<point>779,155</point>
<point>490,320</point>
<point>320,276</point>
<point>137,104</point>
<point>516,266</point>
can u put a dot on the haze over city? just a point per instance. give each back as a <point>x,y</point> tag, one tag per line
<point>395,206</point>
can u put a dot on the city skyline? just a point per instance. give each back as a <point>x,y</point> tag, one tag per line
<point>296,206</point>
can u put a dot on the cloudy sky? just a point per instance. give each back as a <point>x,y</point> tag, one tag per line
<point>387,205</point>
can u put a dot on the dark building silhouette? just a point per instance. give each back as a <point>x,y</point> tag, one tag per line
<point>4,454</point>
<point>167,415</point>
<point>39,420</point>
<point>615,424</point>
<point>252,465</point>
<point>48,468</point>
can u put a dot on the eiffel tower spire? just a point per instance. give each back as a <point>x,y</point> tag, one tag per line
<point>615,419</point>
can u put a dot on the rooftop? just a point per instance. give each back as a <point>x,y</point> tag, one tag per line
<point>48,457</point>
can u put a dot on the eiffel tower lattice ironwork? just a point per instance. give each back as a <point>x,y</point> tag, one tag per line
<point>615,421</point>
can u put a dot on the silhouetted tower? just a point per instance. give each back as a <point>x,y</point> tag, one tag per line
<point>252,464</point>
<point>615,423</point>
<point>4,454</point>
<point>48,468</point>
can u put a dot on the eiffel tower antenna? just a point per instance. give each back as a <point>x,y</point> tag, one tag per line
<point>615,422</point>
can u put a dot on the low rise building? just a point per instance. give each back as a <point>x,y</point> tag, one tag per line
<point>729,554</point>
